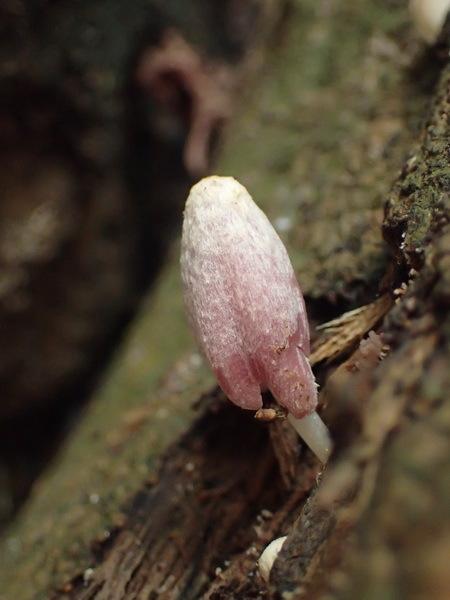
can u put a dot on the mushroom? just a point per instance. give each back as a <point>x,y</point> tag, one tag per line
<point>267,558</point>
<point>429,17</point>
<point>245,306</point>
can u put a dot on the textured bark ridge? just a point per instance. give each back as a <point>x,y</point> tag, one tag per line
<point>352,514</point>
<point>204,506</point>
<point>346,122</point>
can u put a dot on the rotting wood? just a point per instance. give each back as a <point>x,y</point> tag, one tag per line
<point>210,490</point>
<point>386,397</point>
<point>411,325</point>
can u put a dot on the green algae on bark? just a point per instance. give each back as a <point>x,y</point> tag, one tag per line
<point>321,140</point>
<point>421,198</point>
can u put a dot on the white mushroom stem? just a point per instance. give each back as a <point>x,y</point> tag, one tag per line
<point>429,17</point>
<point>315,434</point>
<point>267,558</point>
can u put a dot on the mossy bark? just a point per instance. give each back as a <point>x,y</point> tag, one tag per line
<point>345,102</point>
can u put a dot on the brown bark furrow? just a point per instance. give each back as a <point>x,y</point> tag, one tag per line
<point>211,487</point>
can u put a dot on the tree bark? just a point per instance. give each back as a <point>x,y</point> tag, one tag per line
<point>337,117</point>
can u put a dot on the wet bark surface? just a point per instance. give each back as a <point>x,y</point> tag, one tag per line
<point>189,520</point>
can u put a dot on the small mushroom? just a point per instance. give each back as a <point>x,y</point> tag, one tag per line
<point>267,558</point>
<point>245,306</point>
<point>429,17</point>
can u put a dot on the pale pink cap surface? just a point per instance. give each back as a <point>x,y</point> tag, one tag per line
<point>243,300</point>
